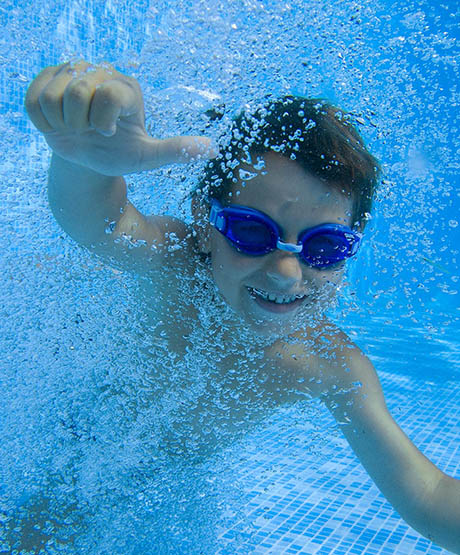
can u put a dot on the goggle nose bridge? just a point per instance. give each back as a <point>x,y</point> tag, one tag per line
<point>218,219</point>
<point>289,247</point>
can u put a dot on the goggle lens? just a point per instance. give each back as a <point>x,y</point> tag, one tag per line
<point>254,233</point>
<point>250,235</point>
<point>325,248</point>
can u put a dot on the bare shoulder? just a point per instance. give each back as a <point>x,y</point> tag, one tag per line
<point>326,363</point>
<point>344,362</point>
<point>154,244</point>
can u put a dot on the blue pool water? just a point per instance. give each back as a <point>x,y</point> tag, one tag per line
<point>70,325</point>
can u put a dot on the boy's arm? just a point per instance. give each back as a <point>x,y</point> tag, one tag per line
<point>93,119</point>
<point>425,497</point>
<point>95,211</point>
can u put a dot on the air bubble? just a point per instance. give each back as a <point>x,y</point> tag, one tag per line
<point>246,175</point>
<point>260,165</point>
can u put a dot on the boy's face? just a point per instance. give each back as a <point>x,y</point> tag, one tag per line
<point>295,200</point>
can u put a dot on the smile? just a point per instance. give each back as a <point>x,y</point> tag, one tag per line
<point>278,299</point>
<point>275,302</point>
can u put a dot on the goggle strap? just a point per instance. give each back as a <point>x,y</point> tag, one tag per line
<point>216,218</point>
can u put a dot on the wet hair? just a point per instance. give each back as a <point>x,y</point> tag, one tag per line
<point>317,135</point>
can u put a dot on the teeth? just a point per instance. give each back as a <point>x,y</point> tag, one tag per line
<point>278,299</point>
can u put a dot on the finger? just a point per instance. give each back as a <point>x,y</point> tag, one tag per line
<point>80,91</point>
<point>51,98</point>
<point>177,150</point>
<point>113,99</point>
<point>32,103</point>
<point>76,102</point>
<point>77,98</point>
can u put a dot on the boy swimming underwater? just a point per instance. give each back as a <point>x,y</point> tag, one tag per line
<point>276,216</point>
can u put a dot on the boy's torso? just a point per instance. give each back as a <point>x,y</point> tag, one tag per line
<point>216,378</point>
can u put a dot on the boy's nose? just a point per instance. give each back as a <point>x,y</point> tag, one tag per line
<point>284,268</point>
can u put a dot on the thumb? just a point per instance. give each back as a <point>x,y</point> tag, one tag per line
<point>176,150</point>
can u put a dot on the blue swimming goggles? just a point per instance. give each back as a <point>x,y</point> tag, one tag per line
<point>254,233</point>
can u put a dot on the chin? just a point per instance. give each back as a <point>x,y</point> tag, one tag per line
<point>277,326</point>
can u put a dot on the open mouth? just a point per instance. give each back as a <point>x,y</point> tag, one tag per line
<point>276,302</point>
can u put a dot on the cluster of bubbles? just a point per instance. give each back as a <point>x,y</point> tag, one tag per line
<point>111,442</point>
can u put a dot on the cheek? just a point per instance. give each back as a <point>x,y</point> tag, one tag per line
<point>328,281</point>
<point>228,268</point>
<point>227,260</point>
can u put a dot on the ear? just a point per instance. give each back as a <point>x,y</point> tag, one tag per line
<point>201,226</point>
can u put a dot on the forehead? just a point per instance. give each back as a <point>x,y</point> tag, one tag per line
<point>284,190</point>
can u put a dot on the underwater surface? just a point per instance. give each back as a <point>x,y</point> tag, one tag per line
<point>85,416</point>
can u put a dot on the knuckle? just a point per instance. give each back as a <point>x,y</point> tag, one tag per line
<point>103,72</point>
<point>49,98</point>
<point>107,67</point>
<point>73,68</point>
<point>132,83</point>
<point>36,87</point>
<point>78,91</point>
<point>62,67</point>
<point>46,72</point>
<point>107,95</point>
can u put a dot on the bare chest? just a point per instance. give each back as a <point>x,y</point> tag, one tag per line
<point>211,382</point>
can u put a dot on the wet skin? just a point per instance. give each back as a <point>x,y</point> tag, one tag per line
<point>89,115</point>
<point>296,200</point>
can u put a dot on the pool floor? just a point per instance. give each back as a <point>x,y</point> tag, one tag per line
<point>297,504</point>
